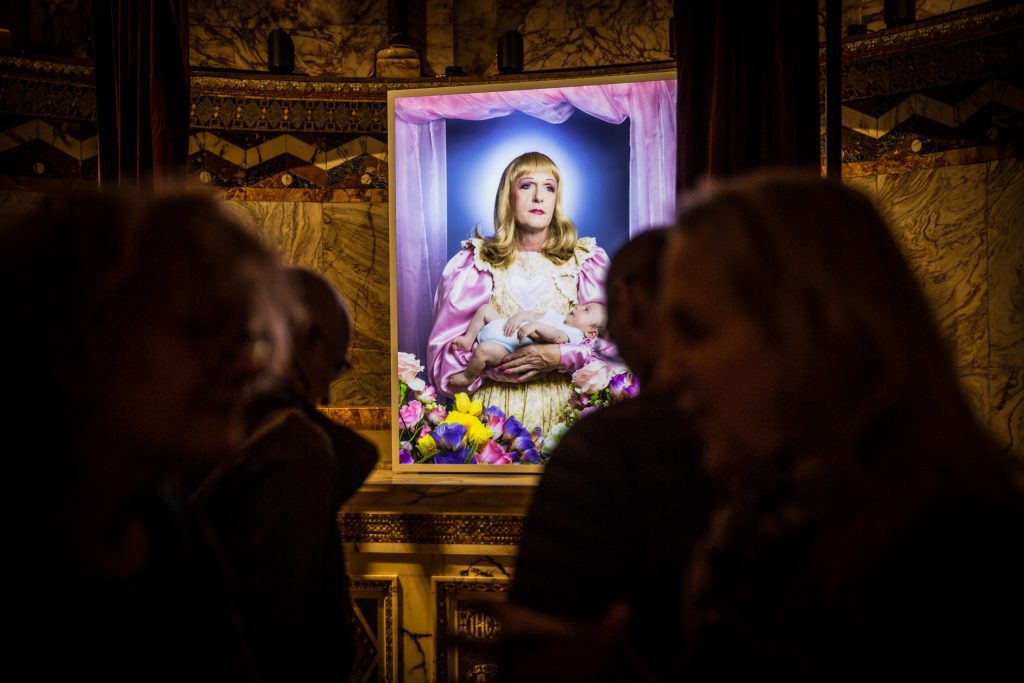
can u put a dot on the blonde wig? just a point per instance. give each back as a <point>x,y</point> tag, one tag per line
<point>499,249</point>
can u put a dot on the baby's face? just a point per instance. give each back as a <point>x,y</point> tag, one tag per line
<point>590,318</point>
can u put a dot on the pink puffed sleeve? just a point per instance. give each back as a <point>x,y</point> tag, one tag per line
<point>462,289</point>
<point>589,289</point>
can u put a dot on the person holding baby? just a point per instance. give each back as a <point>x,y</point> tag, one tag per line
<point>496,337</point>
<point>535,265</point>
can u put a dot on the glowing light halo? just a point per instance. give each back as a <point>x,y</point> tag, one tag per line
<point>487,173</point>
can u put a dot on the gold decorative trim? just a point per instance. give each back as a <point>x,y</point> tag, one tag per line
<point>459,615</point>
<point>372,418</point>
<point>53,67</point>
<point>453,529</point>
<point>247,84</point>
<point>383,589</point>
<point>317,195</point>
<point>917,162</point>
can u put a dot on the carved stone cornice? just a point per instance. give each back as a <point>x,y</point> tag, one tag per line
<point>971,44</point>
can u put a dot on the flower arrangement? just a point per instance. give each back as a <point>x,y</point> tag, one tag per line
<point>464,432</point>
<point>461,433</point>
<point>596,386</point>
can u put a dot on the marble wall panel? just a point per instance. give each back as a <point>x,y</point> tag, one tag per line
<point>334,37</point>
<point>293,229</point>
<point>1006,406</point>
<point>1006,261</point>
<point>356,259</point>
<point>331,37</point>
<point>439,29</point>
<point>975,384</point>
<point>560,34</point>
<point>338,50</point>
<point>938,216</point>
<point>249,13</point>
<point>229,47</point>
<point>867,184</point>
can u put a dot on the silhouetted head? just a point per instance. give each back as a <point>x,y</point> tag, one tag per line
<point>321,333</point>
<point>797,323</point>
<point>136,324</point>
<point>632,283</point>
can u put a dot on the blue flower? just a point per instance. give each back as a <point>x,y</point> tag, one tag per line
<point>492,411</point>
<point>449,436</point>
<point>454,458</point>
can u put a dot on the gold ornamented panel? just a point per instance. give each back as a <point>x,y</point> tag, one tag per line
<point>448,529</point>
<point>462,614</point>
<point>376,611</point>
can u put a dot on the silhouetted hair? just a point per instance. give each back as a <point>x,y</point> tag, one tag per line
<point>815,264</point>
<point>499,249</point>
<point>321,306</point>
<point>638,261</point>
<point>81,270</point>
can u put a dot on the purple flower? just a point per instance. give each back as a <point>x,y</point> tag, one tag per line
<point>623,385</point>
<point>405,457</point>
<point>530,455</point>
<point>492,411</point>
<point>512,429</point>
<point>494,420</point>
<point>456,458</point>
<point>588,411</point>
<point>449,436</point>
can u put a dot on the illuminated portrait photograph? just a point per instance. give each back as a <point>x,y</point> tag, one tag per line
<point>507,202</point>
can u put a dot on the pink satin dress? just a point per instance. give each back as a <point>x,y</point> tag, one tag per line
<point>530,282</point>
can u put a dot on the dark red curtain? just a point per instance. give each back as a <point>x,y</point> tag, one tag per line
<point>142,90</point>
<point>748,86</point>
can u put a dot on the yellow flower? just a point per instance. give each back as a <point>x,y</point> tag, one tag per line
<point>477,435</point>
<point>477,432</point>
<point>463,404</point>
<point>426,445</point>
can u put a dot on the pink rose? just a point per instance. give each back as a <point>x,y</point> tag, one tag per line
<point>410,414</point>
<point>428,395</point>
<point>594,376</point>
<point>493,454</point>
<point>437,415</point>
<point>408,368</point>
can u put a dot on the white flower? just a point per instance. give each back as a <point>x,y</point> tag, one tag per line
<point>594,376</point>
<point>553,437</point>
<point>408,367</point>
